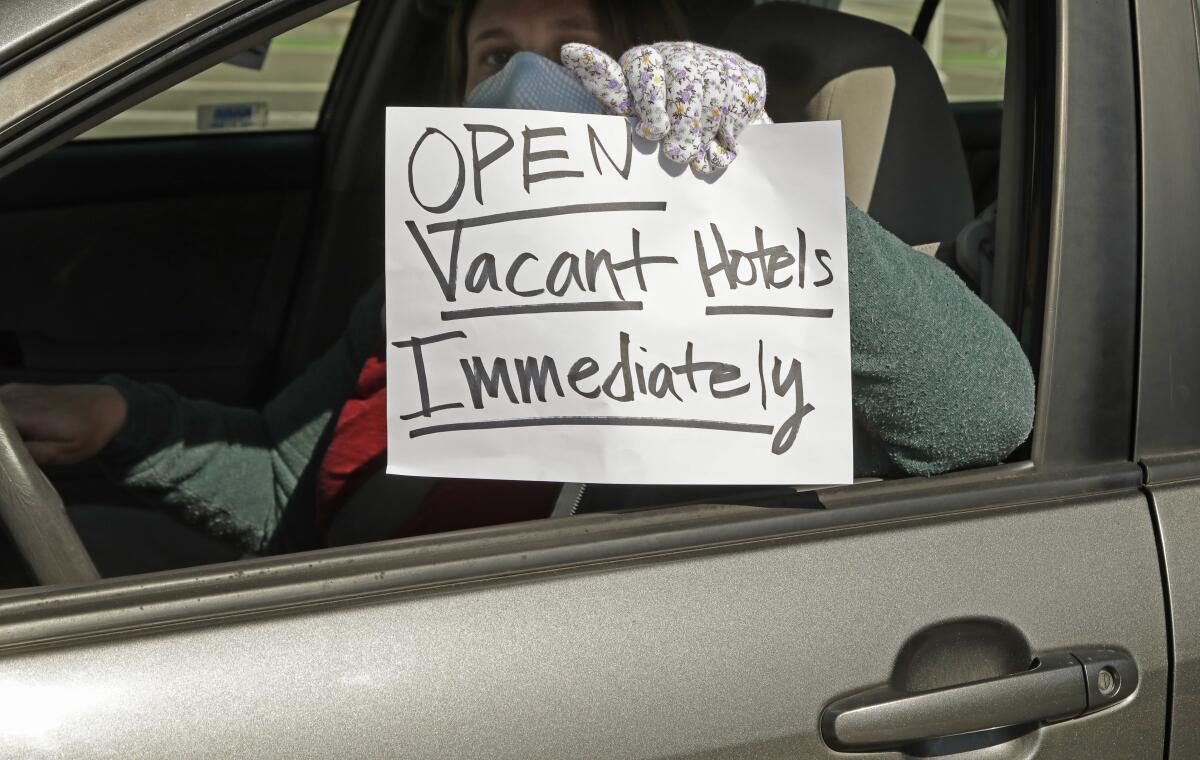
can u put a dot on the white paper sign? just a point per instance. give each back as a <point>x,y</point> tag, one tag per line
<point>565,305</point>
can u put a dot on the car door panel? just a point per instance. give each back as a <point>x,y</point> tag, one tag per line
<point>712,651</point>
<point>1177,510</point>
<point>167,259</point>
<point>1168,423</point>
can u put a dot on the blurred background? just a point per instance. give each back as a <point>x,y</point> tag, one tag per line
<point>282,86</point>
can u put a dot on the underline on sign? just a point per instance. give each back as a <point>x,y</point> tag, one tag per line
<point>663,422</point>
<point>541,213</point>
<point>777,311</point>
<point>541,308</point>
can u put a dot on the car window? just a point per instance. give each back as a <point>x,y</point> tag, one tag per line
<point>966,41</point>
<point>276,86</point>
<point>259,229</point>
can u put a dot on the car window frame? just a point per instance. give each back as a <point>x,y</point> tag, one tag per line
<point>57,101</point>
<point>1063,463</point>
<point>353,34</point>
<point>1167,438</point>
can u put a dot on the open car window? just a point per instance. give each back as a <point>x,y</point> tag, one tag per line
<point>258,243</point>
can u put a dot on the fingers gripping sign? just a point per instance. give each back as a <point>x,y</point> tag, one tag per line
<point>694,99</point>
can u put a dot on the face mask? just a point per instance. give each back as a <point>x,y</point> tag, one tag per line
<point>530,81</point>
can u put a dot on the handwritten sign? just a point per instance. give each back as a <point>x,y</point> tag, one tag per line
<point>564,304</point>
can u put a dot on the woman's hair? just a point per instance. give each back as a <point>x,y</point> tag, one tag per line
<point>627,23</point>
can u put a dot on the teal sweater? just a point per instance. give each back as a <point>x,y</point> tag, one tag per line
<point>939,383</point>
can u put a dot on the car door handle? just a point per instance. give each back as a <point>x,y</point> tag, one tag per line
<point>1059,686</point>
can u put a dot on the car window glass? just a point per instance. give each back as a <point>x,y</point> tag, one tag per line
<point>966,41</point>
<point>282,87</point>
<point>278,86</point>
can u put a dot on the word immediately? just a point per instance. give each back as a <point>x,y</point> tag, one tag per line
<point>530,378</point>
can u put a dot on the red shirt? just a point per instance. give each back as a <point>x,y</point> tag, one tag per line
<point>358,451</point>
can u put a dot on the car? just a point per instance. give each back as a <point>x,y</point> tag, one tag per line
<point>1039,608</point>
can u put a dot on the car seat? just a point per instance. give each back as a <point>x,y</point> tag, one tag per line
<point>905,164</point>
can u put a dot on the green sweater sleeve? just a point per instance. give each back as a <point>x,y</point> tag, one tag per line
<point>940,382</point>
<point>237,472</point>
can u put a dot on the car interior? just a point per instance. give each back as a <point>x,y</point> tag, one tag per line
<point>222,261</point>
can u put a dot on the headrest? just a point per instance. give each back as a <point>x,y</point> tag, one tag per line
<point>904,158</point>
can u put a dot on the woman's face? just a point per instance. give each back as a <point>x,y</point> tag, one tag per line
<point>498,29</point>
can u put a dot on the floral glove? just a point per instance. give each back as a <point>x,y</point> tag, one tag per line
<point>695,99</point>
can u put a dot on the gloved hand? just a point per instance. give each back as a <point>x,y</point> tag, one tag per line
<point>694,98</point>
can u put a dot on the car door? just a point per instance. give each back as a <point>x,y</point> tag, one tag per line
<point>1168,429</point>
<point>707,630</point>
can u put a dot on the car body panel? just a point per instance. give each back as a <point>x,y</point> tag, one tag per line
<point>25,26</point>
<point>1086,384</point>
<point>1177,513</point>
<point>1168,422</point>
<point>729,650</point>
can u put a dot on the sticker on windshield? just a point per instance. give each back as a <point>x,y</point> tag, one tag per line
<point>564,304</point>
<point>231,116</point>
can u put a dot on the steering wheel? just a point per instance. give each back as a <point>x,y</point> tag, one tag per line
<point>34,514</point>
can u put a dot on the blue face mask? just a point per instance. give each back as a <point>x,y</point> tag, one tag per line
<point>530,81</point>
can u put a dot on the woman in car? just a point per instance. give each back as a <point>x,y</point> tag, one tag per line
<point>939,382</point>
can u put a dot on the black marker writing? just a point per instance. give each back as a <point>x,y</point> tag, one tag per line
<point>822,256</point>
<point>479,164</point>
<point>525,380</point>
<point>532,372</point>
<point>480,380</point>
<point>660,422</point>
<point>594,142</point>
<point>763,264</point>
<point>786,434</point>
<point>458,188</point>
<point>529,136</point>
<point>595,271</point>
<point>527,272</point>
<point>415,344</point>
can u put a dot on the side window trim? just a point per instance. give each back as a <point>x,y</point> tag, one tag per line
<point>336,576</point>
<point>279,86</point>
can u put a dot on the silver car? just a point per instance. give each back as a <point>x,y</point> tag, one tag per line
<point>179,182</point>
